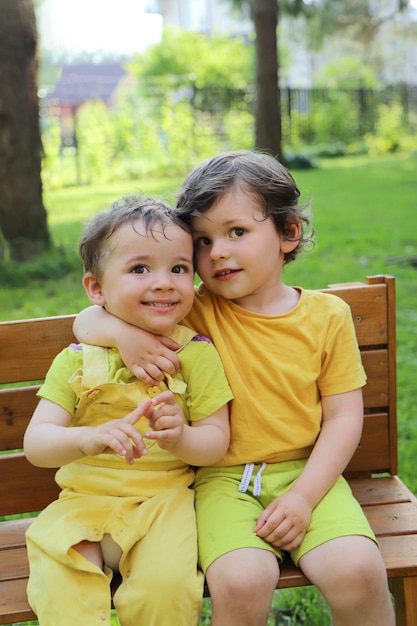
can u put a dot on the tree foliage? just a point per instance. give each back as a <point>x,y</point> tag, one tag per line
<point>360,20</point>
<point>192,56</point>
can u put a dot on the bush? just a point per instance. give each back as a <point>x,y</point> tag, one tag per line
<point>390,133</point>
<point>335,121</point>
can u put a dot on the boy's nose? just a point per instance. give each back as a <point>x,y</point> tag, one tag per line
<point>163,282</point>
<point>219,251</point>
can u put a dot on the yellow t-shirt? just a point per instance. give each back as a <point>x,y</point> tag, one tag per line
<point>278,368</point>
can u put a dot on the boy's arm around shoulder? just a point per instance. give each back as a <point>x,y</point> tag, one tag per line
<point>147,356</point>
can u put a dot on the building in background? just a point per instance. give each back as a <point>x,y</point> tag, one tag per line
<point>203,16</point>
<point>80,83</point>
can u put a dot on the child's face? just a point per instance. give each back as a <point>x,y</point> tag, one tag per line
<point>239,254</point>
<point>147,279</point>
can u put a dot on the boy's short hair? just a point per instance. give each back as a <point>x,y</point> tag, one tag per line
<point>126,210</point>
<point>256,173</point>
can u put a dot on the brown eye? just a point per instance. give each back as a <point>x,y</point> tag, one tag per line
<point>237,232</point>
<point>202,242</point>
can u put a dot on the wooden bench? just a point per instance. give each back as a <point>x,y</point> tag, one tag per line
<point>26,351</point>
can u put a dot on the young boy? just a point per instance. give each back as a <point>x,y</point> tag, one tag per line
<point>292,360</point>
<point>126,504</point>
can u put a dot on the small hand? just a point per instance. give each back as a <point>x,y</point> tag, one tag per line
<point>151,358</point>
<point>166,419</point>
<point>285,521</point>
<point>116,436</point>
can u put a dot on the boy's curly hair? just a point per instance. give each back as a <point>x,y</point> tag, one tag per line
<point>256,173</point>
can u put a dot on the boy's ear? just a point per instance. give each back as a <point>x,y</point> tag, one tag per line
<point>291,238</point>
<point>93,289</point>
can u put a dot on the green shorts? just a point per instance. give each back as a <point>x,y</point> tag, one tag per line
<point>226,517</point>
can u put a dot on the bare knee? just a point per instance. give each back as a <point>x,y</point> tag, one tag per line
<point>358,569</point>
<point>349,571</point>
<point>246,575</point>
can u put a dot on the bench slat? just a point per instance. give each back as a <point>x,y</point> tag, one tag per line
<point>368,304</point>
<point>375,392</point>
<point>379,490</point>
<point>373,453</point>
<point>25,488</point>
<point>15,407</point>
<point>400,555</point>
<point>26,346</point>
<point>12,533</point>
<point>14,564</point>
<point>392,519</point>
<point>13,602</point>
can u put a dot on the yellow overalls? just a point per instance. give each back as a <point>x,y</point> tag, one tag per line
<point>147,509</point>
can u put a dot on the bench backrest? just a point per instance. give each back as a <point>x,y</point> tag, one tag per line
<point>27,348</point>
<point>373,311</point>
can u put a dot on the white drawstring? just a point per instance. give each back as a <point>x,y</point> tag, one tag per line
<point>257,487</point>
<point>247,475</point>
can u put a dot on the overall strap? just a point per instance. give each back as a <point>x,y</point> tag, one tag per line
<point>95,366</point>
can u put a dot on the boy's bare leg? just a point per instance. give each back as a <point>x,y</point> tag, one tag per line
<point>350,573</point>
<point>242,583</point>
<point>90,550</point>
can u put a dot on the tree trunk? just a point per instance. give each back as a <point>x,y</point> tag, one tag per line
<point>267,111</point>
<point>23,219</point>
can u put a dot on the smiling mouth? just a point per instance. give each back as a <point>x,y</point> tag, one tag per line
<point>225,273</point>
<point>160,305</point>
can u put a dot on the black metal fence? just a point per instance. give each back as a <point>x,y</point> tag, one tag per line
<point>306,113</point>
<point>175,123</point>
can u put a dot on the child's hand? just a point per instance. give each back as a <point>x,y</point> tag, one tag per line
<point>117,436</point>
<point>285,521</point>
<point>166,420</point>
<point>149,356</point>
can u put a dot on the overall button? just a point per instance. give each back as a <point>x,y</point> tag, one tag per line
<point>103,616</point>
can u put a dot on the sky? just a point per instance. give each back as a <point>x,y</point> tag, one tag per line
<point>106,25</point>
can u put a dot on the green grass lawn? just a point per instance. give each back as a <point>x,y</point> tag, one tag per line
<point>364,215</point>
